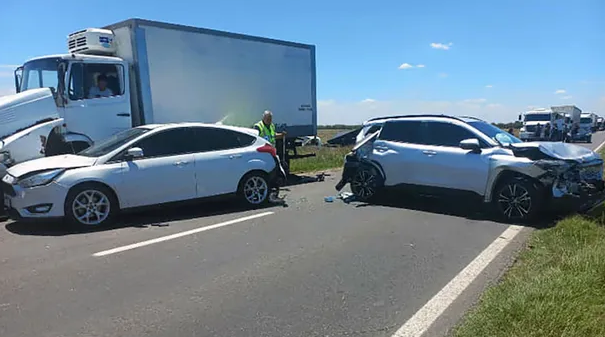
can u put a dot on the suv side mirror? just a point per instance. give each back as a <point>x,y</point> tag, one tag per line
<point>134,153</point>
<point>471,144</point>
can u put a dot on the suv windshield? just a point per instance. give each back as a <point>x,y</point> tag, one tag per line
<point>495,133</point>
<point>106,146</point>
<point>537,117</point>
<point>42,73</point>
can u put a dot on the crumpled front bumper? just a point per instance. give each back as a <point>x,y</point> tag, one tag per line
<point>590,195</point>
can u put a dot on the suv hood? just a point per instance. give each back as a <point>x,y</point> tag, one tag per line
<point>67,161</point>
<point>22,110</point>
<point>555,150</point>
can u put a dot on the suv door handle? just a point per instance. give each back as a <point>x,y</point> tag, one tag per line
<point>123,114</point>
<point>429,152</point>
<point>180,163</point>
<point>235,156</point>
<point>381,148</point>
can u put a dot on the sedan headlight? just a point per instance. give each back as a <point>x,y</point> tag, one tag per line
<point>41,178</point>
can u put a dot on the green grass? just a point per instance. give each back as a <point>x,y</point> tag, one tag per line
<point>327,157</point>
<point>555,288</point>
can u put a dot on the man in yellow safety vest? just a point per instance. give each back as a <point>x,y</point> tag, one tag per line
<point>266,128</point>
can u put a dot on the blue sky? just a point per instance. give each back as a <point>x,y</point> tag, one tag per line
<point>500,57</point>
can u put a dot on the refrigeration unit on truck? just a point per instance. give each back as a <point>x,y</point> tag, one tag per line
<point>539,118</point>
<point>156,73</point>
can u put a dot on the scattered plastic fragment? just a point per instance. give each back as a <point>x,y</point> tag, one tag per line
<point>329,199</point>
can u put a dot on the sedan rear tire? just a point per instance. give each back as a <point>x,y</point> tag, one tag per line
<point>254,189</point>
<point>90,205</point>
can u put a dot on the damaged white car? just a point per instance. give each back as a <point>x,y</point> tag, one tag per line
<point>451,156</point>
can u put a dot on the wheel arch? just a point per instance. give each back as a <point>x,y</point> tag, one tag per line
<point>98,183</point>
<point>510,174</point>
<point>255,170</point>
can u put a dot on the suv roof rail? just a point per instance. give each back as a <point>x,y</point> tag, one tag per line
<point>471,117</point>
<point>420,115</point>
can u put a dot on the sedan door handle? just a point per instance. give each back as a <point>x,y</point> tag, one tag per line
<point>429,153</point>
<point>181,163</point>
<point>123,114</point>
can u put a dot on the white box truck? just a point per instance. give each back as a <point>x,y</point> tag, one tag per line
<point>539,118</point>
<point>157,73</point>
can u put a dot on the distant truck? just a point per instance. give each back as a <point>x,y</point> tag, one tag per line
<point>587,123</point>
<point>158,73</point>
<point>600,123</point>
<point>571,112</point>
<point>541,116</point>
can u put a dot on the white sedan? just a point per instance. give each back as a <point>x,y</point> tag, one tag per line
<point>143,166</point>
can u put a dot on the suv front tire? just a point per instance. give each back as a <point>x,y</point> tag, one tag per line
<point>517,199</point>
<point>366,182</point>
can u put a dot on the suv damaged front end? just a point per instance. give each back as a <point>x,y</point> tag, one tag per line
<point>572,175</point>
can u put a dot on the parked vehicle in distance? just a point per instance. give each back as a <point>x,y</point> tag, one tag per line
<point>451,156</point>
<point>143,166</point>
<point>539,117</point>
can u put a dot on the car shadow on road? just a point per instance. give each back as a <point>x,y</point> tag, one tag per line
<point>157,216</point>
<point>471,209</point>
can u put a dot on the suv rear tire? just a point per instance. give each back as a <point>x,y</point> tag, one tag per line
<point>517,200</point>
<point>366,183</point>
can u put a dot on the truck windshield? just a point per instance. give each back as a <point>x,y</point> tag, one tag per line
<point>537,117</point>
<point>585,120</point>
<point>106,146</point>
<point>41,73</point>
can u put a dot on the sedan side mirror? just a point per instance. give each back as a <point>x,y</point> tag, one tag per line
<point>471,144</point>
<point>134,153</point>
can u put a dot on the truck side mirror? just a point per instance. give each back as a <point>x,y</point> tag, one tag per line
<point>520,117</point>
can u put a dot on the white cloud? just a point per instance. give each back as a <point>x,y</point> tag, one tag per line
<point>339,112</point>
<point>475,100</point>
<point>566,97</point>
<point>443,46</point>
<point>368,100</point>
<point>560,92</point>
<point>443,75</point>
<point>409,66</point>
<point>6,91</point>
<point>489,86</point>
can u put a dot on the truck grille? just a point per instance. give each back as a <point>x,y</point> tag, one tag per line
<point>530,128</point>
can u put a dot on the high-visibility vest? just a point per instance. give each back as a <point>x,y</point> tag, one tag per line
<point>266,132</point>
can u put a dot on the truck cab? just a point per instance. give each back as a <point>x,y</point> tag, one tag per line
<point>539,118</point>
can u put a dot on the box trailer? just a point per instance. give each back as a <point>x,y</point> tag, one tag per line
<point>156,73</point>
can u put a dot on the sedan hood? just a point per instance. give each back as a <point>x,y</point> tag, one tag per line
<point>66,161</point>
<point>557,150</point>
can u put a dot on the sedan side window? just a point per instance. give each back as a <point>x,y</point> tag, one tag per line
<point>447,134</point>
<point>167,143</point>
<point>216,139</point>
<point>402,132</point>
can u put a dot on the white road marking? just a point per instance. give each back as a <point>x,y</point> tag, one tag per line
<point>430,312</point>
<point>600,147</point>
<point>178,235</point>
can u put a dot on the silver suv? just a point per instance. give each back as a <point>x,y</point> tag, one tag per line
<point>452,156</point>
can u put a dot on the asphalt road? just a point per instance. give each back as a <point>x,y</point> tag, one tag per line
<point>310,269</point>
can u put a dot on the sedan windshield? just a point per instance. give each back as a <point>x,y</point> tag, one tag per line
<point>106,146</point>
<point>495,133</point>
